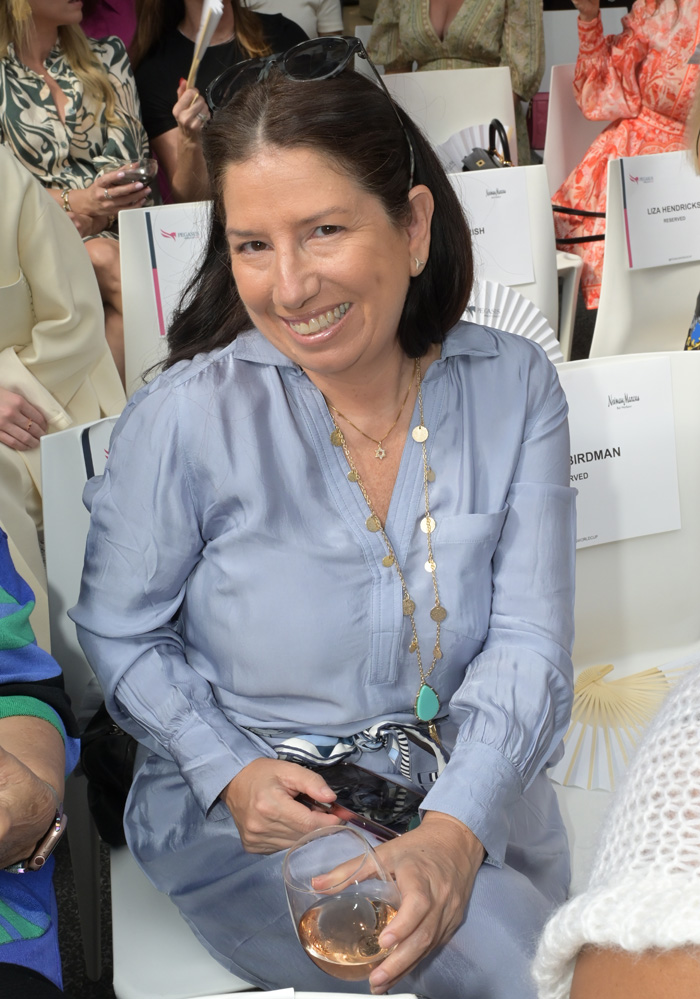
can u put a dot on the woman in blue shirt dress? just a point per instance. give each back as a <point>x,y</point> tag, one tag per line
<point>244,592</point>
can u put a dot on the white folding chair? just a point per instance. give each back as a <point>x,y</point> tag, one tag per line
<point>154,951</point>
<point>543,291</point>
<point>635,599</point>
<point>640,310</point>
<point>173,243</point>
<point>444,101</point>
<point>569,132</point>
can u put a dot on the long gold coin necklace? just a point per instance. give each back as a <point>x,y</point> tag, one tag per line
<point>380,452</point>
<point>427,702</point>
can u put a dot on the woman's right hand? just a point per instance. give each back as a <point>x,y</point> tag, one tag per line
<point>190,112</point>
<point>261,799</point>
<point>588,10</point>
<point>21,425</point>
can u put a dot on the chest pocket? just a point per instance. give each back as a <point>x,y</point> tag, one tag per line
<point>467,543</point>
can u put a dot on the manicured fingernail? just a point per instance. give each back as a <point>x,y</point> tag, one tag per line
<point>182,80</point>
<point>121,174</point>
<point>387,940</point>
<point>138,185</point>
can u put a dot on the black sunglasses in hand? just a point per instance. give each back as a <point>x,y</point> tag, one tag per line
<point>316,59</point>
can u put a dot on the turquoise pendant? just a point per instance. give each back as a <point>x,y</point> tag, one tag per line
<point>427,703</point>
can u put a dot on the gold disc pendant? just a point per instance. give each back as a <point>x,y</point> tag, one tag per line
<point>336,438</point>
<point>424,525</point>
<point>438,613</point>
<point>372,524</point>
<point>408,606</point>
<point>419,433</point>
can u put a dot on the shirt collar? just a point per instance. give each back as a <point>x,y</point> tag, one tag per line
<point>463,338</point>
<point>55,53</point>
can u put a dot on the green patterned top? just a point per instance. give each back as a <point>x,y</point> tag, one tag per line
<point>483,33</point>
<point>71,155</point>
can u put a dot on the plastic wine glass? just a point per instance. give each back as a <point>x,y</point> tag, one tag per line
<point>338,924</point>
<point>144,170</point>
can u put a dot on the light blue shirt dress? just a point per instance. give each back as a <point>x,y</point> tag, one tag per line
<point>231,585</point>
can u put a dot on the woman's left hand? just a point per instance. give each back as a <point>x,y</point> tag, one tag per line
<point>190,112</point>
<point>434,866</point>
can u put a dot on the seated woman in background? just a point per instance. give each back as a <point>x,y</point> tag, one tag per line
<point>56,370</point>
<point>642,79</point>
<point>321,522</point>
<point>162,52</point>
<point>635,932</point>
<point>315,17</point>
<point>461,34</point>
<point>69,112</point>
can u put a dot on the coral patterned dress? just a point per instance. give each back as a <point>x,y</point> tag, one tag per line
<point>642,78</point>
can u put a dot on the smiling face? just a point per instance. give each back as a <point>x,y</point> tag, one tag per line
<point>319,265</point>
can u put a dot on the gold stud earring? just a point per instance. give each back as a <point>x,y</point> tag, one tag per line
<point>419,263</point>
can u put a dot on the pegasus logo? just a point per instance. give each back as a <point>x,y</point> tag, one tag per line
<point>168,235</point>
<point>635,180</point>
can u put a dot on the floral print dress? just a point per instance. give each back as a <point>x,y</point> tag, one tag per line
<point>71,155</point>
<point>640,77</point>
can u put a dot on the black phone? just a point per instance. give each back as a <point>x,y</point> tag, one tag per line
<point>369,801</point>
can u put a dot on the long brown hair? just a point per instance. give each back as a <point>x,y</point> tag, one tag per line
<point>16,27</point>
<point>352,123</point>
<point>155,17</point>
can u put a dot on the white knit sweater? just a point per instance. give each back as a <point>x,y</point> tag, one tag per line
<point>644,890</point>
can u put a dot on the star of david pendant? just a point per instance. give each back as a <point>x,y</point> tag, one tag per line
<point>380,452</point>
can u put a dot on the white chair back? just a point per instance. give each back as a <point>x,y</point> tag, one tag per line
<point>635,605</point>
<point>640,310</point>
<point>159,248</point>
<point>569,132</point>
<point>543,291</point>
<point>444,101</point>
<point>154,951</point>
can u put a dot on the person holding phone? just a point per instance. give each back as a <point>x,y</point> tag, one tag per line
<point>339,525</point>
<point>38,746</point>
<point>69,112</point>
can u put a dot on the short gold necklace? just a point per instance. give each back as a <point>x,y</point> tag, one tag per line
<point>381,451</point>
<point>427,702</point>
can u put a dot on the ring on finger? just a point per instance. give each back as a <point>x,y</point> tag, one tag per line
<point>203,117</point>
<point>29,424</point>
<point>108,196</point>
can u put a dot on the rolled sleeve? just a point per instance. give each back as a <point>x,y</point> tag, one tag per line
<point>514,705</point>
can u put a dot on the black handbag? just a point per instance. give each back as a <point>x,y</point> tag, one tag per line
<point>107,757</point>
<point>488,159</point>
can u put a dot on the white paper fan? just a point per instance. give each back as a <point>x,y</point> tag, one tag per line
<point>607,720</point>
<point>504,308</point>
<point>212,12</point>
<point>453,150</point>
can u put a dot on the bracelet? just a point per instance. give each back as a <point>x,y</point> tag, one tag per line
<point>66,203</point>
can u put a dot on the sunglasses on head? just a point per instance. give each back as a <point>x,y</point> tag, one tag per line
<point>317,59</point>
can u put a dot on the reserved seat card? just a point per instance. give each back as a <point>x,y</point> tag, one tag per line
<point>496,205</point>
<point>661,206</point>
<point>623,448</point>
